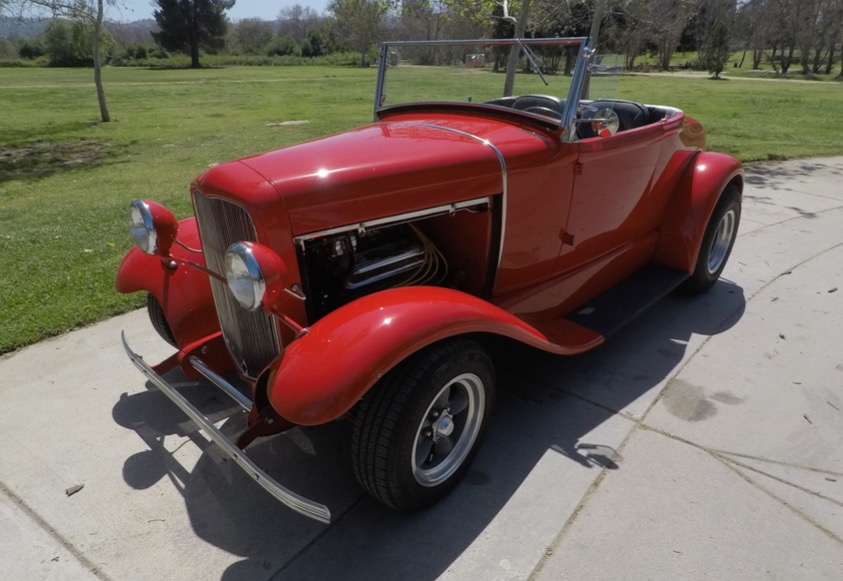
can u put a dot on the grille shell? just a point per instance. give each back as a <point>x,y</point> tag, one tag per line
<point>251,337</point>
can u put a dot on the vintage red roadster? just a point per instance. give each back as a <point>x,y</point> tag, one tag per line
<point>363,275</point>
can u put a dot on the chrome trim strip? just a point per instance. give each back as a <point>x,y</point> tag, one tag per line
<point>504,175</point>
<point>382,62</point>
<point>396,219</point>
<point>569,41</point>
<point>296,502</point>
<point>575,95</point>
<point>231,391</point>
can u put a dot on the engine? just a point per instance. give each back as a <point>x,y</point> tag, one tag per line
<point>343,267</point>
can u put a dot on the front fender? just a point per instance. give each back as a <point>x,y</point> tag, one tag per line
<point>184,292</point>
<point>683,224</point>
<point>321,375</point>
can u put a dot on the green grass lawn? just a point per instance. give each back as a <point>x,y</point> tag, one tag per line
<point>66,180</point>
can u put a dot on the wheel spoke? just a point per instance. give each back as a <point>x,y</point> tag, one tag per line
<point>442,448</point>
<point>443,400</point>
<point>423,449</point>
<point>459,401</point>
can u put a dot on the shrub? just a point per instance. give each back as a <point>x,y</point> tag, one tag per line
<point>31,48</point>
<point>283,46</point>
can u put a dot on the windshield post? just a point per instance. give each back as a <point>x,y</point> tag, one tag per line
<point>382,61</point>
<point>575,93</point>
<point>596,21</point>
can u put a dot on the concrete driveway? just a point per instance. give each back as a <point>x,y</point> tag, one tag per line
<point>705,441</point>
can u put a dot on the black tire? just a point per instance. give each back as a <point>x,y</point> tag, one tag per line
<point>159,321</point>
<point>717,242</point>
<point>409,444</point>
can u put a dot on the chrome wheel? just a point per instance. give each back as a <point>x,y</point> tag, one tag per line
<point>722,241</point>
<point>716,244</point>
<point>416,432</point>
<point>448,430</point>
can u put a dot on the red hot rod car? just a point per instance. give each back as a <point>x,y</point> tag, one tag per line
<point>362,274</point>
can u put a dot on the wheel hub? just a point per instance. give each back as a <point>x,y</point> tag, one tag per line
<point>443,426</point>
<point>448,430</point>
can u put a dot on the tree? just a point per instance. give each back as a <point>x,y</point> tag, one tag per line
<point>298,21</point>
<point>716,21</point>
<point>359,23</point>
<point>190,25</point>
<point>31,48</point>
<point>250,36</point>
<point>87,12</point>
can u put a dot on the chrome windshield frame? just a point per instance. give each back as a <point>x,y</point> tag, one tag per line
<point>578,79</point>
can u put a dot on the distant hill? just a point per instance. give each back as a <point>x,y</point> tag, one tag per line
<point>136,31</point>
<point>13,29</point>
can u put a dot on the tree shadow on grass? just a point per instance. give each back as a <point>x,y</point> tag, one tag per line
<point>40,159</point>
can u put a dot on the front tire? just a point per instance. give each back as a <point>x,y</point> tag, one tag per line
<point>717,242</point>
<point>418,429</point>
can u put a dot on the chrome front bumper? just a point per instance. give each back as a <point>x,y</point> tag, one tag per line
<point>298,503</point>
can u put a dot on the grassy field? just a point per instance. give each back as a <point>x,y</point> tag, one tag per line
<point>66,180</point>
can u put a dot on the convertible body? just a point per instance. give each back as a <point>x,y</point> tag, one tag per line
<point>360,275</point>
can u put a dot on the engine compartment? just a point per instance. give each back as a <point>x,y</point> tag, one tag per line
<point>450,251</point>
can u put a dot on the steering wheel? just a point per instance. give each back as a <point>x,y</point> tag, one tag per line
<point>546,111</point>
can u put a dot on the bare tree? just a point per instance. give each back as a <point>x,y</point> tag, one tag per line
<point>666,19</point>
<point>298,21</point>
<point>424,19</point>
<point>716,20</point>
<point>784,32</point>
<point>88,11</point>
<point>359,23</point>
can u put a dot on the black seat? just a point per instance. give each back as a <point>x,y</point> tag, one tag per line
<point>542,104</point>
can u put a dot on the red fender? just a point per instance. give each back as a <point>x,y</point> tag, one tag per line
<point>184,292</point>
<point>683,224</point>
<point>321,375</point>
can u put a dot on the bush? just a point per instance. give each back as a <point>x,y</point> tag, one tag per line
<point>283,46</point>
<point>31,48</point>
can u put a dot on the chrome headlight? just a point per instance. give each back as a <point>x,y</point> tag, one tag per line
<point>244,276</point>
<point>152,226</point>
<point>142,226</point>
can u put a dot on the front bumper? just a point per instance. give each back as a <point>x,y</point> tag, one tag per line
<point>296,502</point>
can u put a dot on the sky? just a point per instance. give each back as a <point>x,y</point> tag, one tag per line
<point>129,10</point>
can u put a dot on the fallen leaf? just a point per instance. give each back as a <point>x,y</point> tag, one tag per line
<point>74,489</point>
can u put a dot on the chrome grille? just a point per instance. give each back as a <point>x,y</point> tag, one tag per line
<point>251,337</point>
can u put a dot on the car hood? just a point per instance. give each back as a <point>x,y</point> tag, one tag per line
<point>397,165</point>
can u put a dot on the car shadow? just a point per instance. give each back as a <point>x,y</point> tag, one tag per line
<point>546,404</point>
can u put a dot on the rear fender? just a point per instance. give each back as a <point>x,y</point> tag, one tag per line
<point>321,375</point>
<point>183,291</point>
<point>683,225</point>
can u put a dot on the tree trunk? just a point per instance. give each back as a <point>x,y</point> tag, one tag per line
<point>194,39</point>
<point>104,114</point>
<point>829,64</point>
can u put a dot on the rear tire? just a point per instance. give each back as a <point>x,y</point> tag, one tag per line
<point>416,432</point>
<point>158,320</point>
<point>717,242</point>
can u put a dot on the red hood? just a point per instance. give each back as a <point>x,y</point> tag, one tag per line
<point>404,163</point>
